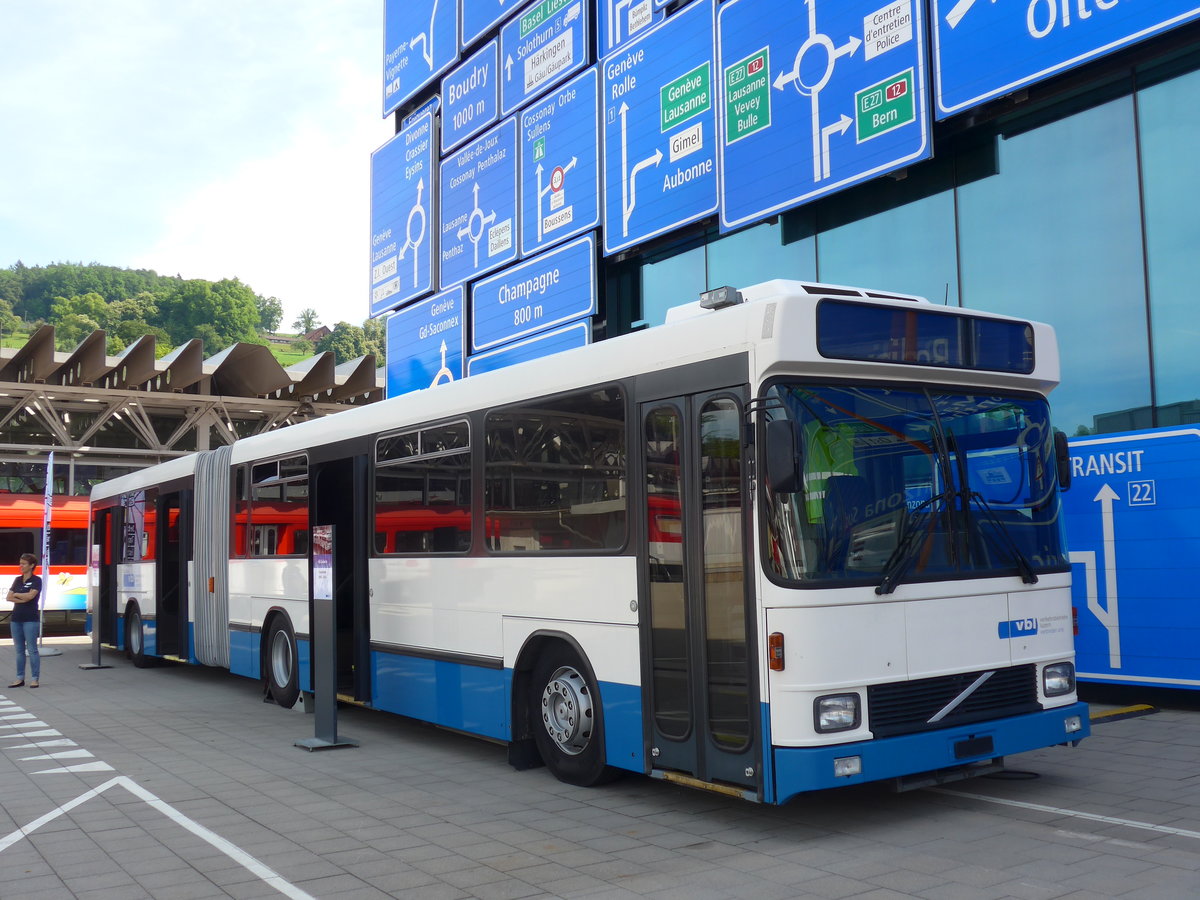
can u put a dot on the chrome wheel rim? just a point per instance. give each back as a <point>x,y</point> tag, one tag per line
<point>281,659</point>
<point>567,713</point>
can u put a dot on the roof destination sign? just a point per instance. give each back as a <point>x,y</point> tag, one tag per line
<point>816,97</point>
<point>660,138</point>
<point>983,50</point>
<point>402,187</point>
<point>420,43</point>
<point>544,44</point>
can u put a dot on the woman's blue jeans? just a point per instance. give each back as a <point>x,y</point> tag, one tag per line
<point>25,638</point>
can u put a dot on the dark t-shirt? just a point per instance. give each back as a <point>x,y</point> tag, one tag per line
<point>26,612</point>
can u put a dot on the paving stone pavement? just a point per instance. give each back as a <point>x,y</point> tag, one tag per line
<point>179,783</point>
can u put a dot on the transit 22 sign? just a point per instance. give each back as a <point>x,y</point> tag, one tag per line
<point>818,96</point>
<point>987,49</point>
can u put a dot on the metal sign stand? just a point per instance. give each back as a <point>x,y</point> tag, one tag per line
<point>323,619</point>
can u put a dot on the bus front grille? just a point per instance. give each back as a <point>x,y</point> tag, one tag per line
<point>904,707</point>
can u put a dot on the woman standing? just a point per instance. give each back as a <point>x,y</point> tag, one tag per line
<point>25,624</point>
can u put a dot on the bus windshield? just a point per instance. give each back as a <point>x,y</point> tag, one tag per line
<point>913,484</point>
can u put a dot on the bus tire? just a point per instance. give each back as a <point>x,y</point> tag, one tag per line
<point>567,720</point>
<point>135,637</point>
<point>282,664</point>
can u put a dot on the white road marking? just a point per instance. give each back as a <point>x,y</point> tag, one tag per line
<point>265,873</point>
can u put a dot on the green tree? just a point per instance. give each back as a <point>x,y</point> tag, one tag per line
<point>71,329</point>
<point>346,341</point>
<point>225,311</point>
<point>89,306</point>
<point>302,346</point>
<point>8,322</point>
<point>306,321</point>
<point>270,313</point>
<point>375,331</point>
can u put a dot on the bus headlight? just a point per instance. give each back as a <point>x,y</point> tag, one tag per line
<point>836,712</point>
<point>1058,679</point>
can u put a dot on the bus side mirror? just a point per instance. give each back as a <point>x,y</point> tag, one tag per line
<point>783,461</point>
<point>1062,456</point>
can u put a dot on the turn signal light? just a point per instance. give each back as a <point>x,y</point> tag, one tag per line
<point>775,650</point>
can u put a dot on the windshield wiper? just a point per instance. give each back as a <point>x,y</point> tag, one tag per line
<point>1005,542</point>
<point>908,544</point>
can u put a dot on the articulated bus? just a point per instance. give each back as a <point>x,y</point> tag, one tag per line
<point>799,536</point>
<point>65,584</point>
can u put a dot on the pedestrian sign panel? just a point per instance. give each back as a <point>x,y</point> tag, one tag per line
<point>425,343</point>
<point>817,97</point>
<point>660,138</point>
<point>541,292</point>
<point>577,334</point>
<point>402,193</point>
<point>541,46</point>
<point>471,97</point>
<point>560,164</point>
<point>420,43</point>
<point>478,190</point>
<point>984,50</point>
<point>1133,528</point>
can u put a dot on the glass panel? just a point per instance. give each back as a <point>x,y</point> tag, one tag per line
<point>724,590</point>
<point>555,476</point>
<point>133,540</point>
<point>673,282</point>
<point>1170,143</point>
<point>1056,237</point>
<point>668,592</point>
<point>424,508</point>
<point>279,508</point>
<point>915,484</point>
<point>909,249</point>
<point>758,254</point>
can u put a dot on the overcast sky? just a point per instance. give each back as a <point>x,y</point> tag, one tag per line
<point>208,138</point>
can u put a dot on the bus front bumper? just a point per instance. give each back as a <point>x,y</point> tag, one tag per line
<point>799,769</point>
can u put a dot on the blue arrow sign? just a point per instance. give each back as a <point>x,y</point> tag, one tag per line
<point>401,230</point>
<point>546,43</point>
<point>471,97</point>
<point>560,164</point>
<point>1134,537</point>
<point>577,334</point>
<point>420,43</point>
<point>480,16</point>
<point>618,21</point>
<point>816,97</point>
<point>425,343</point>
<point>984,50</point>
<point>543,291</point>
<point>660,140</point>
<point>478,190</point>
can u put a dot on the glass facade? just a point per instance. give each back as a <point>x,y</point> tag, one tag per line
<point>1078,211</point>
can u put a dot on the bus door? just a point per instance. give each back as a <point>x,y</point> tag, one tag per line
<point>696,607</point>
<point>106,531</point>
<point>339,498</point>
<point>172,538</point>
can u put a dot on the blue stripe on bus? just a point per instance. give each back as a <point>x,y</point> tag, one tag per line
<point>624,746</point>
<point>800,769</point>
<point>243,653</point>
<point>469,698</point>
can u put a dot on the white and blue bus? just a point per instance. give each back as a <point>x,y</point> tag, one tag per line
<point>800,536</point>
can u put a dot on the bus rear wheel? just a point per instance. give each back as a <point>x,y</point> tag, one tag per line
<point>283,671</point>
<point>135,638</point>
<point>567,719</point>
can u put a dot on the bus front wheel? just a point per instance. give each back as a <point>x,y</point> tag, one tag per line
<point>567,725</point>
<point>283,671</point>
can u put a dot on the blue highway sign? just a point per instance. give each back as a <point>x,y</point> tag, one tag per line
<point>544,44</point>
<point>1133,528</point>
<point>420,43</point>
<point>618,21</point>
<point>471,97</point>
<point>543,291</point>
<point>816,97</point>
<point>660,141</point>
<point>478,190</point>
<point>480,16</point>
<point>984,50</point>
<point>560,163</point>
<point>401,217</point>
<point>577,334</point>
<point>425,343</point>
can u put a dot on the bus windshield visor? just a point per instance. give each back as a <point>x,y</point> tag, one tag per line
<point>911,485</point>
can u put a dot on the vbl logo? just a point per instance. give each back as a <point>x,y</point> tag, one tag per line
<point>1018,628</point>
